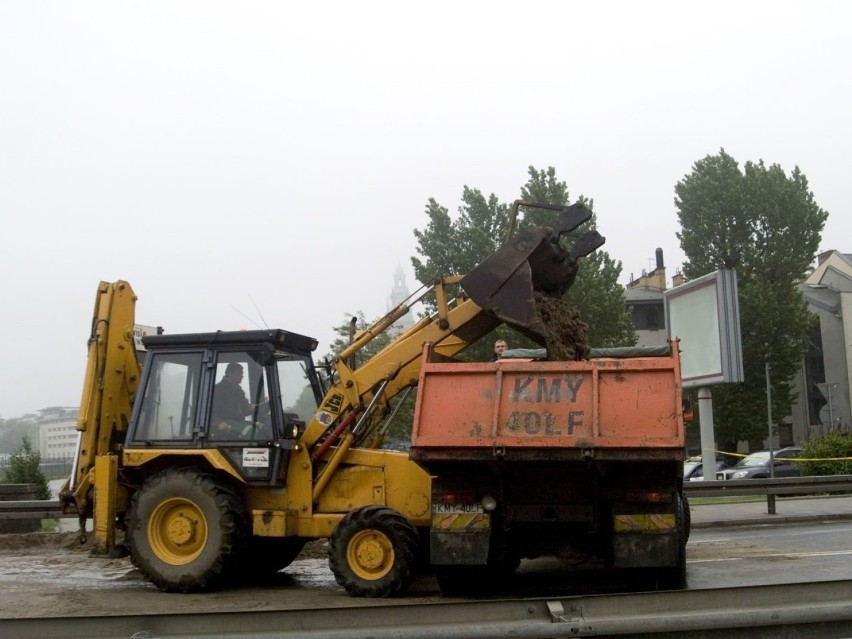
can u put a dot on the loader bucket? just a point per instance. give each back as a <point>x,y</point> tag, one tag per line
<point>532,261</point>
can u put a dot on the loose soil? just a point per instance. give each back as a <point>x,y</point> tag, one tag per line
<point>567,337</point>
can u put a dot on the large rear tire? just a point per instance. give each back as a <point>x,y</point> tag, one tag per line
<point>186,530</point>
<point>373,552</point>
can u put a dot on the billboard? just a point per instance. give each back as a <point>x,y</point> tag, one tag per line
<point>704,314</point>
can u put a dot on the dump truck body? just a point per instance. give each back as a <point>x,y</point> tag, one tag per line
<point>573,459</point>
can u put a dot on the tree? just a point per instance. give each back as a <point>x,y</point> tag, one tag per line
<point>13,432</point>
<point>24,469</point>
<point>767,226</point>
<point>455,246</point>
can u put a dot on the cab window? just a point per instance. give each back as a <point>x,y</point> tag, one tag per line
<point>168,407</point>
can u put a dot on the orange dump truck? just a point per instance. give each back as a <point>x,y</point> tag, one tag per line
<point>579,460</point>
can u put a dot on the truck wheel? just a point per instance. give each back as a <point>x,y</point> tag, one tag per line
<point>186,531</point>
<point>457,581</point>
<point>687,517</point>
<point>267,555</point>
<point>373,552</point>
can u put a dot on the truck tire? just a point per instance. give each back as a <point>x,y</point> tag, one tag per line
<point>186,530</point>
<point>466,580</point>
<point>687,517</point>
<point>265,556</point>
<point>373,552</point>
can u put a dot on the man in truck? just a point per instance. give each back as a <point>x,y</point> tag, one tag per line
<point>499,347</point>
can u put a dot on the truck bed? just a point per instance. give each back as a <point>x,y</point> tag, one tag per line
<point>603,408</point>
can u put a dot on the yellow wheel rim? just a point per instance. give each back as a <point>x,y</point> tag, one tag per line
<point>177,531</point>
<point>370,554</point>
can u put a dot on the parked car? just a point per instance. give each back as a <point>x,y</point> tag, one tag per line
<point>756,465</point>
<point>693,469</point>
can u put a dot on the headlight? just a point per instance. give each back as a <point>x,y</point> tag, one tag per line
<point>739,474</point>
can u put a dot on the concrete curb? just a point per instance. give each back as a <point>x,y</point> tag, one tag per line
<point>770,520</point>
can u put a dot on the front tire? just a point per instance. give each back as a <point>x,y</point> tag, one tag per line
<point>373,552</point>
<point>186,530</point>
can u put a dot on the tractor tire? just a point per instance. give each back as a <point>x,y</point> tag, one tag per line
<point>187,531</point>
<point>373,552</point>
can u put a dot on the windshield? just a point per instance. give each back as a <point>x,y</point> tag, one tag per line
<point>298,394</point>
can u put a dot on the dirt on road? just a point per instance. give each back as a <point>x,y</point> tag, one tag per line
<point>52,574</point>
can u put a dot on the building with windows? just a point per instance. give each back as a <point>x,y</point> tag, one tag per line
<point>823,382</point>
<point>644,297</point>
<point>57,433</point>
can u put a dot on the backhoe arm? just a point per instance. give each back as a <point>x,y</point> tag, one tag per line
<point>502,288</point>
<point>109,386</point>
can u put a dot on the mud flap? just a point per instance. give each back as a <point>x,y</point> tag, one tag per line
<point>458,538</point>
<point>456,547</point>
<point>645,540</point>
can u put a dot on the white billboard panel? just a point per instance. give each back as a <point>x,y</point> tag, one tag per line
<point>704,315</point>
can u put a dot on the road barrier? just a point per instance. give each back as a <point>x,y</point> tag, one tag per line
<point>781,487</point>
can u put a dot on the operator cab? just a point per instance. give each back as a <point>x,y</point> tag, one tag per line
<point>248,394</point>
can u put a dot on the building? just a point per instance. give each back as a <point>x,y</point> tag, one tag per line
<point>644,297</point>
<point>823,382</point>
<point>57,433</point>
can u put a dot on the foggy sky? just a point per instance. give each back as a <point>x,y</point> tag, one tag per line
<point>248,163</point>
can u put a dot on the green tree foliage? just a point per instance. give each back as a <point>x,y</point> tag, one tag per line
<point>767,226</point>
<point>24,469</point>
<point>829,455</point>
<point>455,246</point>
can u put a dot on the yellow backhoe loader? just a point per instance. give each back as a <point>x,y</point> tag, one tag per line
<point>224,453</point>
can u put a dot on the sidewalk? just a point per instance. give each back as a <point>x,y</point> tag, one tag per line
<point>787,509</point>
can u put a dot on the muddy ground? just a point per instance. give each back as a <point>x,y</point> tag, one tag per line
<point>52,574</point>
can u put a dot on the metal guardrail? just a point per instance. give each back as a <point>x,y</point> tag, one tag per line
<point>782,486</point>
<point>32,509</point>
<point>822,609</point>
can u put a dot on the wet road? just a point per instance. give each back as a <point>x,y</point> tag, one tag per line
<point>57,581</point>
